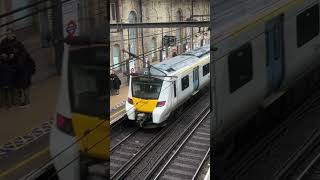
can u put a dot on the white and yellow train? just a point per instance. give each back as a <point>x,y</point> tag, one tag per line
<point>80,132</point>
<point>153,95</point>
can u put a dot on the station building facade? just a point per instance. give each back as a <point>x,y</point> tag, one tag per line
<point>43,32</point>
<point>131,11</point>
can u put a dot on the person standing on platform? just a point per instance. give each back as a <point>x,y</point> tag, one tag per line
<point>112,76</point>
<point>116,84</point>
<point>3,79</point>
<point>25,70</point>
<point>8,49</point>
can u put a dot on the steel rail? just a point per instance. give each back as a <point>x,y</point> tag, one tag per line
<point>185,136</point>
<point>135,159</point>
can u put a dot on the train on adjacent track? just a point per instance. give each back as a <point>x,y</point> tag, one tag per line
<point>158,91</point>
<point>266,54</point>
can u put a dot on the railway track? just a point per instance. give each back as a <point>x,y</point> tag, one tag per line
<point>312,170</point>
<point>120,131</point>
<point>254,153</point>
<point>304,164</point>
<point>186,121</point>
<point>188,157</point>
<point>125,150</point>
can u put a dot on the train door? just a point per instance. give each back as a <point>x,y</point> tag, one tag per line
<point>175,95</point>
<point>196,78</point>
<point>275,53</point>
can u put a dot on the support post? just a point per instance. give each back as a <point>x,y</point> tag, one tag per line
<point>58,34</point>
<point>142,43</point>
<point>128,62</point>
<point>161,52</point>
<point>191,19</point>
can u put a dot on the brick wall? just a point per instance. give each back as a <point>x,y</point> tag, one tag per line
<point>156,11</point>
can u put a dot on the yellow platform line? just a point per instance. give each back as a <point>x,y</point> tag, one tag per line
<point>24,162</point>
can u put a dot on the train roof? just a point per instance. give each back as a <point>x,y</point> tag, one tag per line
<point>232,16</point>
<point>199,52</point>
<point>172,65</point>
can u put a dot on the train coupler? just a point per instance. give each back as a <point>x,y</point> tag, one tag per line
<point>141,118</point>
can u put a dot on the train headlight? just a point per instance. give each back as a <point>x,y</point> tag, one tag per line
<point>130,101</point>
<point>161,103</point>
<point>65,125</point>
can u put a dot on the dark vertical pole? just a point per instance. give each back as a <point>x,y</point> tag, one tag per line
<point>44,26</point>
<point>213,104</point>
<point>191,18</point>
<point>122,56</point>
<point>142,45</point>
<point>212,69</point>
<point>128,62</point>
<point>58,34</point>
<point>202,39</point>
<point>108,74</point>
<point>161,52</point>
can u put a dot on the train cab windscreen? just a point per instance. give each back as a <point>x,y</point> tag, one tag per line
<point>88,81</point>
<point>146,88</point>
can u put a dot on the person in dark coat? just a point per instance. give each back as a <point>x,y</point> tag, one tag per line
<point>7,75</point>
<point>116,84</point>
<point>9,50</point>
<point>25,71</point>
<point>112,76</point>
<point>3,75</point>
<point>9,43</point>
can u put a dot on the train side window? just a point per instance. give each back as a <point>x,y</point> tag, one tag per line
<point>185,82</point>
<point>174,89</point>
<point>205,69</point>
<point>307,25</point>
<point>240,67</point>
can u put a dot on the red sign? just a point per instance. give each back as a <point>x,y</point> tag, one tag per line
<point>71,28</point>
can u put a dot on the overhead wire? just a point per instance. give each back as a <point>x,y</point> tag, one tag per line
<point>33,4</point>
<point>72,144</point>
<point>249,40</point>
<point>31,14</point>
<point>162,89</point>
<point>220,41</point>
<point>78,156</point>
<point>117,65</point>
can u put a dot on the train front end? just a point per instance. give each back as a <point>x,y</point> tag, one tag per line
<point>147,102</point>
<point>80,135</point>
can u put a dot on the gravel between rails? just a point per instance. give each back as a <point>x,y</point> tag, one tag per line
<point>147,162</point>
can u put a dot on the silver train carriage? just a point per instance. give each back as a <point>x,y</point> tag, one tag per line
<point>260,53</point>
<point>153,95</point>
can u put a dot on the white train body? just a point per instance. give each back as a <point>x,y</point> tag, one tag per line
<point>260,55</point>
<point>186,74</point>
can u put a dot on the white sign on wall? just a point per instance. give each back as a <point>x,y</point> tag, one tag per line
<point>131,62</point>
<point>131,65</point>
<point>70,18</point>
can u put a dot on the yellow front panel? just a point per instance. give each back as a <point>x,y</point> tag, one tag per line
<point>94,134</point>
<point>144,105</point>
